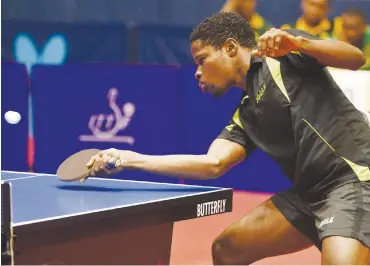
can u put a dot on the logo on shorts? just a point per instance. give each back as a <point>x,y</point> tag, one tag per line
<point>327,221</point>
<point>211,207</point>
<point>105,127</point>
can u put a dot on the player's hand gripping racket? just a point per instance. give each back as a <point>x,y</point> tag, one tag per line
<point>74,167</point>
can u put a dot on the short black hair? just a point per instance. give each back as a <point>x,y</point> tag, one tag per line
<point>215,30</point>
<point>358,12</point>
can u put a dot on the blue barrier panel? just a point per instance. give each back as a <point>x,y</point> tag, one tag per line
<point>102,106</point>
<point>204,118</point>
<point>14,93</point>
<point>161,44</point>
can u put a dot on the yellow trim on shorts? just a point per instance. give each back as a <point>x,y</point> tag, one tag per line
<point>274,66</point>
<point>362,172</point>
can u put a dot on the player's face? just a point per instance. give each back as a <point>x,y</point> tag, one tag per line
<point>353,28</point>
<point>315,10</point>
<point>216,69</point>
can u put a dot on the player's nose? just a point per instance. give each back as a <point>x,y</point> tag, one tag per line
<point>198,74</point>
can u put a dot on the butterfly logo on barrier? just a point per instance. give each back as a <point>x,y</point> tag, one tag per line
<point>105,127</point>
<point>54,51</point>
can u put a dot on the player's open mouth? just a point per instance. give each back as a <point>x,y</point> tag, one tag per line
<point>204,88</point>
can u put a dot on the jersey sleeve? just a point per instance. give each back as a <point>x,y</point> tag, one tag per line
<point>302,60</point>
<point>235,133</point>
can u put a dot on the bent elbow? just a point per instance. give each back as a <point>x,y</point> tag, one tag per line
<point>217,169</point>
<point>359,62</point>
<point>362,60</point>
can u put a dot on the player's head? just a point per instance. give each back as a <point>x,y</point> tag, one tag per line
<point>354,25</point>
<point>221,46</point>
<point>315,10</point>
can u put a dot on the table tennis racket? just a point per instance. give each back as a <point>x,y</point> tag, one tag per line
<point>74,167</point>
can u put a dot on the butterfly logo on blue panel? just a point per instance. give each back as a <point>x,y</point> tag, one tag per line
<point>54,51</point>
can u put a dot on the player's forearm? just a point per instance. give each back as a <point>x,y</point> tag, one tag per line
<point>334,53</point>
<point>182,166</point>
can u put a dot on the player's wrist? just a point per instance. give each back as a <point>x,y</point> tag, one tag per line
<point>303,45</point>
<point>130,159</point>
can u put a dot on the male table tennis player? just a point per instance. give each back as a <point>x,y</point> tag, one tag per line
<point>292,109</point>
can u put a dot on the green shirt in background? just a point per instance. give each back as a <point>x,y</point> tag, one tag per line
<point>366,48</point>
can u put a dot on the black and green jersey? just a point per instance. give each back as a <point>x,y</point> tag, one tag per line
<point>294,111</point>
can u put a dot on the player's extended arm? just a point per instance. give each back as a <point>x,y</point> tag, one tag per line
<point>276,42</point>
<point>222,155</point>
<point>333,53</point>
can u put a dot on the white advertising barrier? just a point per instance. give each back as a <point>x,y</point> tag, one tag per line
<point>355,85</point>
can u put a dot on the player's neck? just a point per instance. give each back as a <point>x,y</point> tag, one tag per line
<point>244,62</point>
<point>240,81</point>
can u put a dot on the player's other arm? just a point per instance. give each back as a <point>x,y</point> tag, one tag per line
<point>222,155</point>
<point>334,53</point>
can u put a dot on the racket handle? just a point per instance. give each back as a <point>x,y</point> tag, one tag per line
<point>112,163</point>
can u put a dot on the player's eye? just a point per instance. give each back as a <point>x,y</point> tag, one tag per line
<point>201,61</point>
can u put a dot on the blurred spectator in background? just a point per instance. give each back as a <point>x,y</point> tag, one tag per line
<point>314,19</point>
<point>354,30</point>
<point>247,9</point>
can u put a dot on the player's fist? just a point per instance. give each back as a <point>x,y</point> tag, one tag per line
<point>106,162</point>
<point>276,43</point>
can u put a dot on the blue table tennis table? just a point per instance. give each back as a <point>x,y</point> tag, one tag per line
<point>102,220</point>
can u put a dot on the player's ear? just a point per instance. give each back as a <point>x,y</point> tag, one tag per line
<point>231,46</point>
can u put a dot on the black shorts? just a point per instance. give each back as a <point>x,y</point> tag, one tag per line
<point>344,211</point>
